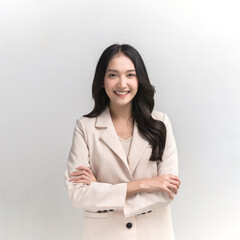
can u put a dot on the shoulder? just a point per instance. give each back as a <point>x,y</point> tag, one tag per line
<point>85,122</point>
<point>162,116</point>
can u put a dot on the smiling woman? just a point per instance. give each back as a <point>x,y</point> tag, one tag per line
<point>123,164</point>
<point>121,87</point>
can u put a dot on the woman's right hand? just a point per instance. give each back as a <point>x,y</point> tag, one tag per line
<point>164,182</point>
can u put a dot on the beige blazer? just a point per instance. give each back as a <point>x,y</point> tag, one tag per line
<point>139,217</point>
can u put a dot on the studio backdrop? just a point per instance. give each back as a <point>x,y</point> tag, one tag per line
<point>48,54</point>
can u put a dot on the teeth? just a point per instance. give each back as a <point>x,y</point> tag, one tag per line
<point>121,93</point>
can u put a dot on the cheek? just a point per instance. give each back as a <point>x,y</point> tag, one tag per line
<point>135,86</point>
<point>135,83</point>
<point>108,89</point>
<point>108,84</point>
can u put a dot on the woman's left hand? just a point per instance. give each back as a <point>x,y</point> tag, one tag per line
<point>82,175</point>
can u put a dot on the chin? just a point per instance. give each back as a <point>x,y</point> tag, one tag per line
<point>123,104</point>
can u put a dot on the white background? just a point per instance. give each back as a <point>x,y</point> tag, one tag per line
<point>48,53</point>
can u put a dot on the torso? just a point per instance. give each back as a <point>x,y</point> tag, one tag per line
<point>124,129</point>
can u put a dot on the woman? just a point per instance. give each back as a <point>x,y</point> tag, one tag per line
<point>123,165</point>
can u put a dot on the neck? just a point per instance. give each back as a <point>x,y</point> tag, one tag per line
<point>120,112</point>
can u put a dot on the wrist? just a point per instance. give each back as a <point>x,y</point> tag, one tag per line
<point>143,185</point>
<point>134,187</point>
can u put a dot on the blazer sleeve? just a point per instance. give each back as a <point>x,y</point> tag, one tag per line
<point>143,202</point>
<point>96,196</point>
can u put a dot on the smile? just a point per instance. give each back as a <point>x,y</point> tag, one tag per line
<point>121,94</point>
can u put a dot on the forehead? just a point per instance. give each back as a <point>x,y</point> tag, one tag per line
<point>120,62</point>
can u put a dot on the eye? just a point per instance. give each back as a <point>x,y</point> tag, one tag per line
<point>111,75</point>
<point>131,75</point>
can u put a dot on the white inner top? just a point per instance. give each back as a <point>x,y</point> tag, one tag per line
<point>126,143</point>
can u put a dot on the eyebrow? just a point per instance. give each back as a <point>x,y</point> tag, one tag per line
<point>112,70</point>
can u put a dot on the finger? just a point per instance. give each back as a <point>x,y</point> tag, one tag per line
<point>174,188</point>
<point>83,178</point>
<point>75,179</point>
<point>83,181</point>
<point>83,174</point>
<point>174,191</point>
<point>169,193</point>
<point>174,182</point>
<point>89,173</point>
<point>84,168</point>
<point>78,173</point>
<point>174,178</point>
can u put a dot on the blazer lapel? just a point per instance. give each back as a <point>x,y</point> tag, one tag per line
<point>137,148</point>
<point>110,137</point>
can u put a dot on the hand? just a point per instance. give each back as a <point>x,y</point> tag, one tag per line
<point>82,175</point>
<point>166,182</point>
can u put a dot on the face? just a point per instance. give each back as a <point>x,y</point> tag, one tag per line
<point>120,81</point>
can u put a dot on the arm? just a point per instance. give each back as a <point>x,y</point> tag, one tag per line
<point>143,201</point>
<point>134,187</point>
<point>97,195</point>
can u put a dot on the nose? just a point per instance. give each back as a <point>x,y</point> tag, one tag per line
<point>122,83</point>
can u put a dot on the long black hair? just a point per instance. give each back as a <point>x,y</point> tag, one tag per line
<point>142,104</point>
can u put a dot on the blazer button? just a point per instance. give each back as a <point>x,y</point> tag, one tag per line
<point>128,225</point>
<point>105,210</point>
<point>99,211</point>
<point>110,210</point>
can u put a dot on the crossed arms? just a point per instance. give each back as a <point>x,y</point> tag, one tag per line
<point>132,197</point>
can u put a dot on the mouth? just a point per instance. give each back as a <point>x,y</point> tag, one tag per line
<point>121,94</point>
